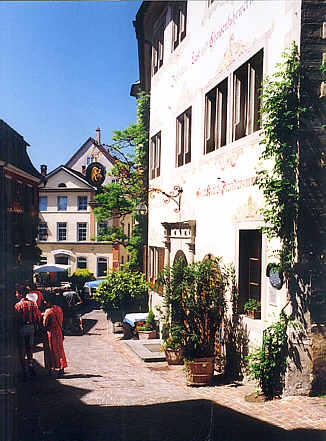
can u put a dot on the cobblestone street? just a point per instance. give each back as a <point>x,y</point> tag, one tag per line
<point>109,394</point>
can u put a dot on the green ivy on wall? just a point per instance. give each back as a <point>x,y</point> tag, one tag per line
<point>281,110</point>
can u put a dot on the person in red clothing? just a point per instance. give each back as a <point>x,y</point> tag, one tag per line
<point>30,289</point>
<point>54,354</point>
<point>28,318</point>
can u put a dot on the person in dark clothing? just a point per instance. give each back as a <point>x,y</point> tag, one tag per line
<point>70,309</point>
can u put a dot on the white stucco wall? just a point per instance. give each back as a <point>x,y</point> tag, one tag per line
<point>218,189</point>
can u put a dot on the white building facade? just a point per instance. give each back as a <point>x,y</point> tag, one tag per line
<point>67,224</point>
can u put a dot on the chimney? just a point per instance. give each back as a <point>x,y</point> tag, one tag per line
<point>44,169</point>
<point>83,169</point>
<point>98,136</point>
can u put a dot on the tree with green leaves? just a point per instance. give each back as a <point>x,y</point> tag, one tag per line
<point>129,189</point>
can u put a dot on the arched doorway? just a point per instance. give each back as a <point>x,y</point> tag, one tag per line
<point>180,255</point>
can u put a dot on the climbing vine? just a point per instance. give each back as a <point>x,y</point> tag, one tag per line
<point>281,110</point>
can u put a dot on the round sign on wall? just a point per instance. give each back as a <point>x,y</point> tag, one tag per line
<point>275,276</point>
<point>95,174</point>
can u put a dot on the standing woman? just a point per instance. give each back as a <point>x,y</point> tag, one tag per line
<point>54,354</point>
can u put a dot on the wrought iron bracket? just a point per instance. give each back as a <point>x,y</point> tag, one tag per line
<point>174,196</point>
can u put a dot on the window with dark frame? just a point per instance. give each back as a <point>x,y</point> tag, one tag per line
<point>158,45</point>
<point>183,138</point>
<point>102,266</point>
<point>81,231</point>
<point>247,82</point>
<point>250,251</point>
<point>216,117</point>
<point>82,203</point>
<point>179,21</point>
<point>155,156</point>
<point>43,231</point>
<point>82,262</point>
<point>61,231</point>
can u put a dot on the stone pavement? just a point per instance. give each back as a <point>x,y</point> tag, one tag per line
<point>109,394</point>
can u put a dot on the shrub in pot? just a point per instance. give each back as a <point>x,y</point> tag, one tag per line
<point>172,345</point>
<point>148,329</point>
<point>199,298</point>
<point>79,277</point>
<point>252,308</point>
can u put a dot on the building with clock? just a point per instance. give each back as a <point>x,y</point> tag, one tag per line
<point>67,225</point>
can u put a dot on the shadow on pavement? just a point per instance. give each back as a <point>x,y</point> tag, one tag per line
<point>53,411</point>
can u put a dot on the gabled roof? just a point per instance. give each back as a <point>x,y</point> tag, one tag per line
<point>72,172</point>
<point>99,146</point>
<point>13,150</point>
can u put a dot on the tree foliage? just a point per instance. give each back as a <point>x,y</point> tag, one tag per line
<point>122,291</point>
<point>130,173</point>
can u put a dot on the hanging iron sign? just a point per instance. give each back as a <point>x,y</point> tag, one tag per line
<point>95,174</point>
<point>275,276</point>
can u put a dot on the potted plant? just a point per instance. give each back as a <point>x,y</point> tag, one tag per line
<point>147,331</point>
<point>172,346</point>
<point>199,298</point>
<point>252,308</point>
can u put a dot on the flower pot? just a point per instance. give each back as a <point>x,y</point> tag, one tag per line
<point>147,335</point>
<point>173,356</point>
<point>199,371</point>
<point>254,314</point>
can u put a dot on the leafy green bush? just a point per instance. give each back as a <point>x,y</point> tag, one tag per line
<point>80,276</point>
<point>267,364</point>
<point>123,291</point>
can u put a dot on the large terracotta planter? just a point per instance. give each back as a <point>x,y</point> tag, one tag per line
<point>173,356</point>
<point>147,335</point>
<point>199,371</point>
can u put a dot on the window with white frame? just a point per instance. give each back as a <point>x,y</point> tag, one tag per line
<point>216,117</point>
<point>43,203</point>
<point>61,231</point>
<point>102,266</point>
<point>43,260</point>
<point>81,262</point>
<point>179,23</point>
<point>158,45</point>
<point>42,231</point>
<point>62,203</point>
<point>81,231</point>
<point>247,82</point>
<point>82,203</point>
<point>183,138</point>
<point>155,156</point>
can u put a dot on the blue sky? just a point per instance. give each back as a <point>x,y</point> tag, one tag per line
<point>66,68</point>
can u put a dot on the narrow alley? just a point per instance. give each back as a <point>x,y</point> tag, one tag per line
<point>109,394</point>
